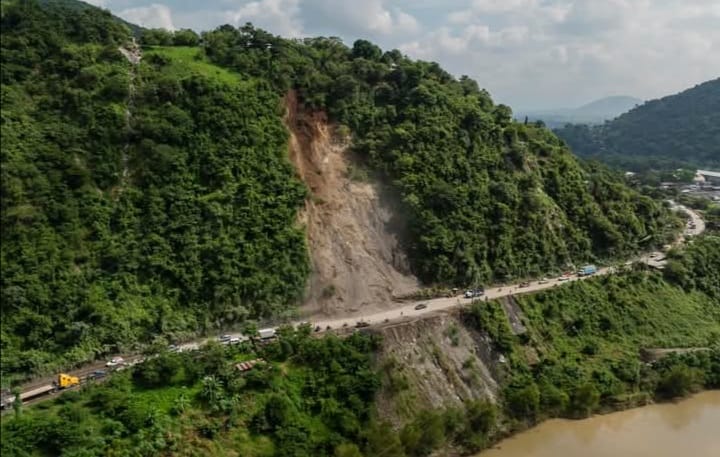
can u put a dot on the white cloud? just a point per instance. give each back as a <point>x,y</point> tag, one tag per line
<point>362,19</point>
<point>535,53</point>
<point>503,6</point>
<point>277,16</point>
<point>151,16</point>
<point>296,18</point>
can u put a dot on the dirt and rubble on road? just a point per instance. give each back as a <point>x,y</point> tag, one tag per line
<point>357,262</point>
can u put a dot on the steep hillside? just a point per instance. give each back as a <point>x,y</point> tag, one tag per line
<point>356,258</point>
<point>484,198</point>
<point>679,129</point>
<point>145,200</point>
<point>150,193</point>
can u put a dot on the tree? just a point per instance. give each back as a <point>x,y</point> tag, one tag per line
<point>424,434</point>
<point>157,37</point>
<point>679,381</point>
<point>584,400</point>
<point>366,50</point>
<point>347,450</point>
<point>523,402</point>
<point>186,37</point>
<point>211,391</point>
<point>383,441</point>
<point>17,402</point>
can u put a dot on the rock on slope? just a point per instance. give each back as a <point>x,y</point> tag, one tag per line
<point>432,363</point>
<point>356,259</point>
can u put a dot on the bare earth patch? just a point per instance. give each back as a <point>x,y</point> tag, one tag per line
<point>357,264</point>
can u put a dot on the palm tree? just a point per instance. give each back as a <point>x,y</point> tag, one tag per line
<point>211,390</point>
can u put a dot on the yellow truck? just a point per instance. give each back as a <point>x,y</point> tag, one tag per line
<point>65,380</point>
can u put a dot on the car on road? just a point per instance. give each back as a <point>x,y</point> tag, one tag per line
<point>361,324</point>
<point>524,284</point>
<point>421,306</point>
<point>224,338</point>
<point>97,374</point>
<point>563,278</point>
<point>544,281</point>
<point>472,293</point>
<point>235,340</point>
<point>115,361</point>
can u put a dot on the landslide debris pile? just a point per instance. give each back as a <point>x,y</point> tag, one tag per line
<point>356,258</point>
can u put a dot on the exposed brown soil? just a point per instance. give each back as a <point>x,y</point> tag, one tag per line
<point>357,264</point>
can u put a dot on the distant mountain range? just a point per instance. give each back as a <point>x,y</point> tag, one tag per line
<point>595,112</point>
<point>680,129</point>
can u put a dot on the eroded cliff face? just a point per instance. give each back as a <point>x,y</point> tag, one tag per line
<point>357,263</point>
<point>434,362</point>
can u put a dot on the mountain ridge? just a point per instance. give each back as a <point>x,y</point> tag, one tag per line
<point>676,130</point>
<point>594,112</point>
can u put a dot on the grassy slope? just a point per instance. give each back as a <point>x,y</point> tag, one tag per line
<point>186,60</point>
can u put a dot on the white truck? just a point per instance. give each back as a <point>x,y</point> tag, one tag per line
<point>266,333</point>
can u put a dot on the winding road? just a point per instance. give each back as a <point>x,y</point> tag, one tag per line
<point>410,310</point>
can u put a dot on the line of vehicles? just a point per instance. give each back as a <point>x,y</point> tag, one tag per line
<point>263,334</point>
<point>66,381</point>
<point>586,270</point>
<point>61,382</point>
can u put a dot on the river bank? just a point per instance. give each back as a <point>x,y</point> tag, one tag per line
<point>685,427</point>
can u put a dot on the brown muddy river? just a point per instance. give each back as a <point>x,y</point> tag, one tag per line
<point>689,428</point>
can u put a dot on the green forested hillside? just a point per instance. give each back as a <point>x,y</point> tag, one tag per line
<point>486,198</point>
<point>589,337</point>
<point>158,199</point>
<point>676,130</point>
<point>170,214</point>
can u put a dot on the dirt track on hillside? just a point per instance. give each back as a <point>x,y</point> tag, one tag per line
<point>357,264</point>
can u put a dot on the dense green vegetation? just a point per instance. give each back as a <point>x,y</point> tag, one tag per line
<point>158,199</point>
<point>310,397</point>
<point>134,202</point>
<point>681,129</point>
<point>589,336</point>
<point>485,198</point>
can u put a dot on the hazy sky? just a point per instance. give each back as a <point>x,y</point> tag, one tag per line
<point>528,53</point>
